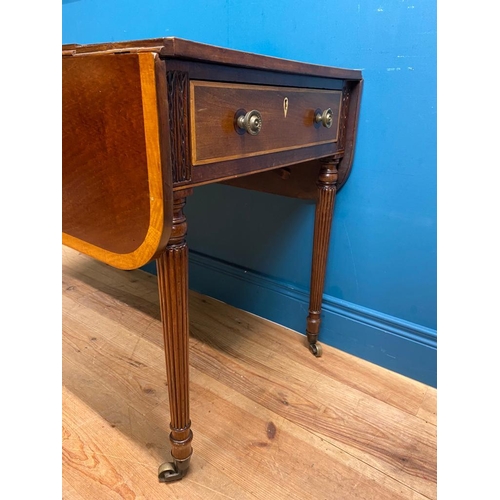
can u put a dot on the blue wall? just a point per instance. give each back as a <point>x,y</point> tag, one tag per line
<point>252,249</point>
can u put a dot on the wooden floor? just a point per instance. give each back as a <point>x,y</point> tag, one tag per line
<point>270,421</point>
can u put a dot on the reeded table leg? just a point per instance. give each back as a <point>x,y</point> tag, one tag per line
<point>172,268</point>
<point>322,227</point>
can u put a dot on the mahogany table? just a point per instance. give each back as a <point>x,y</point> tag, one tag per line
<point>144,122</point>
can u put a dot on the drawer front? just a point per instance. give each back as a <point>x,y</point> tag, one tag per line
<point>288,119</point>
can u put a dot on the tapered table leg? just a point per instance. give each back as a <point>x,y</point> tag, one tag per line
<point>172,268</point>
<point>322,228</point>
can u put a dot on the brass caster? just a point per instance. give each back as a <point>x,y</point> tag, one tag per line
<point>172,471</point>
<point>316,349</point>
<point>169,472</point>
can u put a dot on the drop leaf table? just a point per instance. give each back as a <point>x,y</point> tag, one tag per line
<point>145,122</point>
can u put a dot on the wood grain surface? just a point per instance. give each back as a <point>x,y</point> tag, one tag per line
<point>270,420</point>
<point>184,61</point>
<point>213,108</point>
<point>113,199</point>
<point>178,48</point>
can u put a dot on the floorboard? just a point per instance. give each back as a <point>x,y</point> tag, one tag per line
<point>270,421</point>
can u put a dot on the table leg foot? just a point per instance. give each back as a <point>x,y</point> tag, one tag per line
<point>316,349</point>
<point>173,471</point>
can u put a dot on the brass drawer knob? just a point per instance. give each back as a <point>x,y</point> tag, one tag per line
<point>250,122</point>
<point>325,117</point>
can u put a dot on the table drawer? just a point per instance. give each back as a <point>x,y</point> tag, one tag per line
<point>287,115</point>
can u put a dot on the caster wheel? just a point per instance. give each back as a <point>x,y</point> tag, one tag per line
<point>316,349</point>
<point>168,472</point>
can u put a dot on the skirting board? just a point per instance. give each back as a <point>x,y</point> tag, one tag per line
<point>387,341</point>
